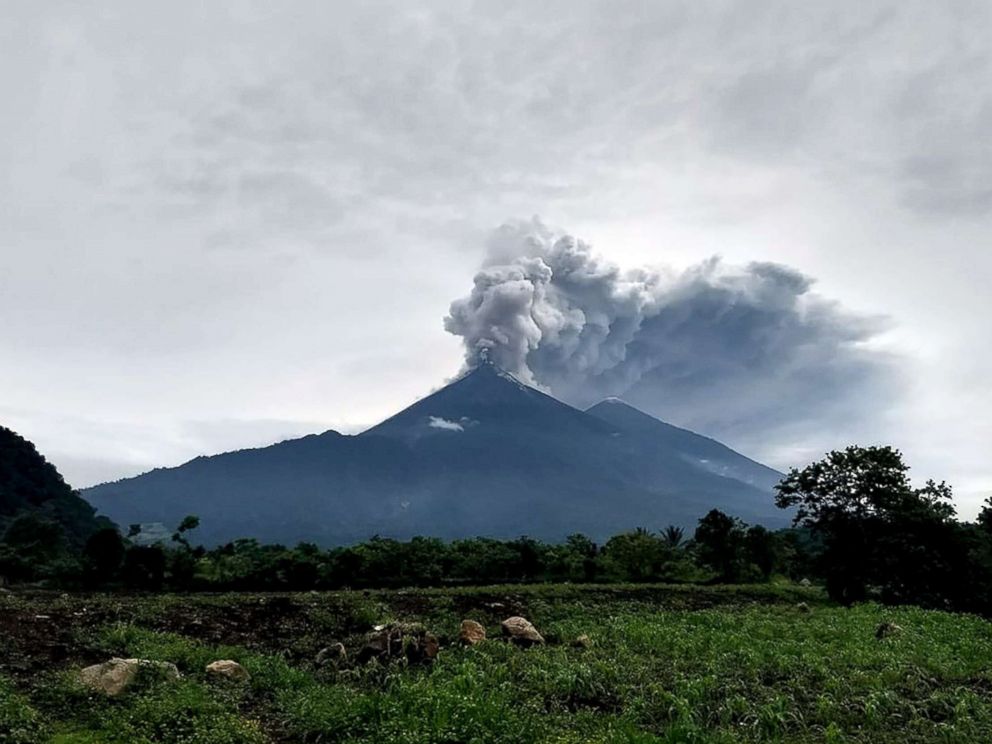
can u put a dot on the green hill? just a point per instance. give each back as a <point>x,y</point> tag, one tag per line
<point>30,484</point>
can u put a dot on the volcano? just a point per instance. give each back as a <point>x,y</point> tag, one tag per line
<point>486,455</point>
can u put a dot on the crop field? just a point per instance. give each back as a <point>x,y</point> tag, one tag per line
<point>632,664</point>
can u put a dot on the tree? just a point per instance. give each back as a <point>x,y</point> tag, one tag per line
<point>639,555</point>
<point>34,547</point>
<point>103,555</point>
<point>719,542</point>
<point>877,529</point>
<point>761,550</point>
<point>190,522</point>
<point>582,555</point>
<point>673,536</point>
<point>144,567</point>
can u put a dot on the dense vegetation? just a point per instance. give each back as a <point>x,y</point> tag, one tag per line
<point>44,523</point>
<point>862,529</point>
<point>727,664</point>
<point>723,549</point>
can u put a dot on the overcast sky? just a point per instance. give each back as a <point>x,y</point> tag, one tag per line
<point>222,224</point>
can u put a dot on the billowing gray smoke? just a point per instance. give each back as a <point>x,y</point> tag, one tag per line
<point>729,351</point>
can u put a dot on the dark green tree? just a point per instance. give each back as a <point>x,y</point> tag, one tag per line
<point>673,536</point>
<point>719,542</point>
<point>189,523</point>
<point>637,556</point>
<point>761,550</point>
<point>144,567</point>
<point>582,553</point>
<point>103,555</point>
<point>877,529</point>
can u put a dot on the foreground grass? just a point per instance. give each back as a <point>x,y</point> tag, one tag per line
<point>740,673</point>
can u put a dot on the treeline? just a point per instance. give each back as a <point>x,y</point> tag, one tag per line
<point>722,549</point>
<point>861,529</point>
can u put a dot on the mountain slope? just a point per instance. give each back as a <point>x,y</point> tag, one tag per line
<point>484,455</point>
<point>31,484</point>
<point>658,437</point>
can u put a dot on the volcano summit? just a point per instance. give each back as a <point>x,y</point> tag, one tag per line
<point>484,455</point>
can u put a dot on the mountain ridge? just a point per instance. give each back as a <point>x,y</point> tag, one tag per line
<point>485,454</point>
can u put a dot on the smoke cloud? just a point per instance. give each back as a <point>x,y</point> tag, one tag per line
<point>749,353</point>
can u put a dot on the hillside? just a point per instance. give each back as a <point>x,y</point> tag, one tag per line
<point>484,455</point>
<point>31,484</point>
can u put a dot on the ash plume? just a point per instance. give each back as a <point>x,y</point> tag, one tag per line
<point>739,351</point>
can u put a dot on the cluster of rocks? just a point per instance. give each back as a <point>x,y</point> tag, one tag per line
<point>417,645</point>
<point>409,641</point>
<point>114,677</point>
<point>518,630</point>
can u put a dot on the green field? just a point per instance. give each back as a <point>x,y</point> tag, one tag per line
<point>665,664</point>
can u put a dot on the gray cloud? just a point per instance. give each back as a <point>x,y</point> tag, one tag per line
<point>743,352</point>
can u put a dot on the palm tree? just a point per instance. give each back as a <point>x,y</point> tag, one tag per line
<point>673,536</point>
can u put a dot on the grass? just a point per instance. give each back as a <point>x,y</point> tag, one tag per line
<point>749,667</point>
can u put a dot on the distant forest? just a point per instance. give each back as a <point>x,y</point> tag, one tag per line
<point>861,530</point>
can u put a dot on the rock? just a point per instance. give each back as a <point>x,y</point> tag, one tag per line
<point>115,676</point>
<point>805,583</point>
<point>471,633</point>
<point>583,641</point>
<point>887,629</point>
<point>400,640</point>
<point>429,647</point>
<point>803,607</point>
<point>230,669</point>
<point>333,654</point>
<point>521,631</point>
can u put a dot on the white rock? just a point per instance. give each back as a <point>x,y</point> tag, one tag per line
<point>115,676</point>
<point>227,668</point>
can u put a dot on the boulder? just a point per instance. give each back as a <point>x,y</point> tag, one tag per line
<point>805,583</point>
<point>583,641</point>
<point>471,632</point>
<point>521,631</point>
<point>803,607</point>
<point>333,654</point>
<point>229,669</point>
<point>113,677</point>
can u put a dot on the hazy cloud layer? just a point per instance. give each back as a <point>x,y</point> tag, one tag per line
<point>731,351</point>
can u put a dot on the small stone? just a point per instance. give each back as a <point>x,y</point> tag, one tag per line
<point>471,632</point>
<point>333,654</point>
<point>887,629</point>
<point>803,607</point>
<point>429,647</point>
<point>115,676</point>
<point>230,669</point>
<point>805,583</point>
<point>583,641</point>
<point>521,631</point>
<point>409,640</point>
